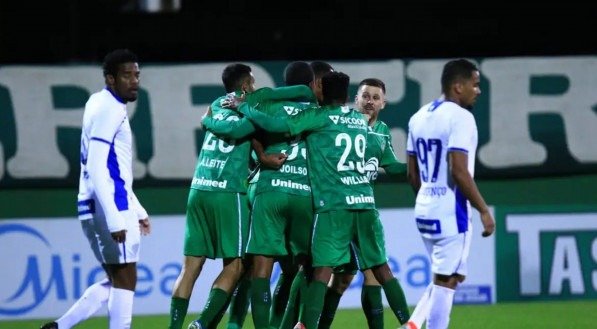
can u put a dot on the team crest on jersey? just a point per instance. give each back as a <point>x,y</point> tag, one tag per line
<point>371,168</point>
<point>334,118</point>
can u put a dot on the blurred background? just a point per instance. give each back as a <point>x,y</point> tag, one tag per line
<point>232,30</point>
<point>537,119</point>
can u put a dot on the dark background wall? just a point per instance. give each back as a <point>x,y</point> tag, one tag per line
<point>81,31</point>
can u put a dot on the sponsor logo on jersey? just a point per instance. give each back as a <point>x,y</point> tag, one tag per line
<point>291,110</point>
<point>349,121</point>
<point>354,199</point>
<point>290,184</point>
<point>202,181</point>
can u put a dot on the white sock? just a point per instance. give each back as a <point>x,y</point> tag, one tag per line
<point>441,306</point>
<point>94,298</point>
<point>421,312</point>
<point>120,308</point>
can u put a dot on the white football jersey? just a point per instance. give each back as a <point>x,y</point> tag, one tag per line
<point>438,128</point>
<point>110,183</point>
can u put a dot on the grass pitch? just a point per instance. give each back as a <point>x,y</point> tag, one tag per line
<point>539,315</point>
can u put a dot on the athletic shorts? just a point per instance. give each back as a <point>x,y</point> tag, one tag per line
<point>449,255</point>
<point>105,249</point>
<point>333,231</point>
<point>216,224</point>
<point>280,224</point>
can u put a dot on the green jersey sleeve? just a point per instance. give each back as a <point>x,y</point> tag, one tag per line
<point>389,162</point>
<point>228,129</point>
<point>280,93</point>
<point>307,120</point>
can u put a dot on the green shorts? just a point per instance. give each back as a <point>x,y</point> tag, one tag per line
<point>351,267</point>
<point>217,224</point>
<point>333,232</point>
<point>280,224</point>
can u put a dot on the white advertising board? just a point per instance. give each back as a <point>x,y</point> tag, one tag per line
<point>47,264</point>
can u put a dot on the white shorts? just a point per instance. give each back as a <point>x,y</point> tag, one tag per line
<point>105,249</point>
<point>449,255</point>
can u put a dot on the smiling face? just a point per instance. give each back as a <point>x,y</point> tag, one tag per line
<point>370,100</point>
<point>126,82</point>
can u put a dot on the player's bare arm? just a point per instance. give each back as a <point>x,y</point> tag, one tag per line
<point>461,176</point>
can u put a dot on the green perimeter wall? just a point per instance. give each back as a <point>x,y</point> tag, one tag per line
<point>554,191</point>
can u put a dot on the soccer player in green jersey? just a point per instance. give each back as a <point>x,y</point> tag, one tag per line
<point>343,198</point>
<point>282,212</point>
<point>379,153</point>
<point>217,209</point>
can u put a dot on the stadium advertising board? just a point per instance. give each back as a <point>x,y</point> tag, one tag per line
<point>546,255</point>
<point>48,265</point>
<point>536,115</point>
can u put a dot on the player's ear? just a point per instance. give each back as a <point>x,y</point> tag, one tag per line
<point>110,79</point>
<point>383,104</point>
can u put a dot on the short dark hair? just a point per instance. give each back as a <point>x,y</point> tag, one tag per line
<point>115,58</point>
<point>298,73</point>
<point>455,70</point>
<point>373,82</point>
<point>233,76</point>
<point>320,68</point>
<point>334,88</point>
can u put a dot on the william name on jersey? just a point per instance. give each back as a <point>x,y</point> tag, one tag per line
<point>354,180</point>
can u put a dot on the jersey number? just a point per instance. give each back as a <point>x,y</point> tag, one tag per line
<point>425,148</point>
<point>294,152</point>
<point>211,141</point>
<point>359,148</point>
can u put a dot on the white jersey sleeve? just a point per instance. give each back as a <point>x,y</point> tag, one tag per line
<point>139,210</point>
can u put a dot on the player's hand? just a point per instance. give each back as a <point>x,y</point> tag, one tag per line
<point>119,236</point>
<point>206,114</point>
<point>233,100</point>
<point>145,226</point>
<point>488,224</point>
<point>274,160</point>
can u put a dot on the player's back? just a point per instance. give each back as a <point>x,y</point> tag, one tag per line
<point>434,130</point>
<point>291,177</point>
<point>223,163</point>
<point>336,157</point>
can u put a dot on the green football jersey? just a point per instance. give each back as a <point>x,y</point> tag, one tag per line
<point>292,176</point>
<point>336,141</point>
<point>223,163</point>
<point>380,152</point>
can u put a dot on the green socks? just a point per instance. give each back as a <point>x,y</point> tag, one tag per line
<point>280,300</point>
<point>297,293</point>
<point>330,305</point>
<point>311,309</point>
<point>178,312</point>
<point>218,299</point>
<point>260,302</point>
<point>239,304</point>
<point>372,306</point>
<point>396,299</point>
